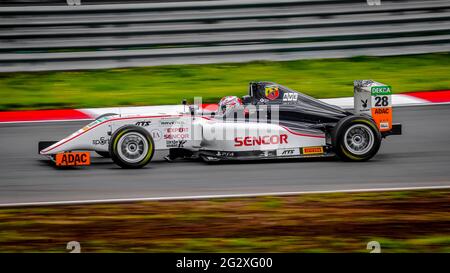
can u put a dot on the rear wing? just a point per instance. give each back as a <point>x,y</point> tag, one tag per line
<point>375,99</point>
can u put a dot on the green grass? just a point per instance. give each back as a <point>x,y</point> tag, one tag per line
<point>170,84</point>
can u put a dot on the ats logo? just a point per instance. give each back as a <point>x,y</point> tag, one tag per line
<point>288,152</point>
<point>143,123</point>
<point>272,92</point>
<point>260,140</point>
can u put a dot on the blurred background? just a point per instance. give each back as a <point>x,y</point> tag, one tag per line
<point>107,34</point>
<point>149,52</point>
<point>58,54</point>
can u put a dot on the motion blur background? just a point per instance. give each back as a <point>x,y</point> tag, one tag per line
<point>106,34</point>
<point>104,53</point>
<point>316,46</point>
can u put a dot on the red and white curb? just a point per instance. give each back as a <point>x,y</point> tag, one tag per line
<point>406,99</point>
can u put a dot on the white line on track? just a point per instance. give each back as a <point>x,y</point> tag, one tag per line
<point>199,197</point>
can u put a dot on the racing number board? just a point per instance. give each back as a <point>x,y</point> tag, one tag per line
<point>382,107</point>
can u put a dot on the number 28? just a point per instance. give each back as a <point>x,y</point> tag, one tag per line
<point>381,101</point>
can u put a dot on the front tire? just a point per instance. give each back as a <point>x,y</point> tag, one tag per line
<point>356,138</point>
<point>131,147</point>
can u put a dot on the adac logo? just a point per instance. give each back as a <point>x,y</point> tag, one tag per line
<point>272,92</point>
<point>73,159</point>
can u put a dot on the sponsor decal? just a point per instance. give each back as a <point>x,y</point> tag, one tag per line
<point>260,140</point>
<point>267,153</point>
<point>176,133</point>
<point>380,90</point>
<point>176,136</point>
<point>100,141</point>
<point>177,130</point>
<point>384,125</point>
<point>225,154</point>
<point>73,159</point>
<point>272,92</point>
<point>171,122</point>
<point>383,118</point>
<point>364,103</point>
<point>288,152</point>
<point>312,150</point>
<point>290,96</point>
<point>156,134</point>
<point>382,110</point>
<point>175,143</point>
<point>143,123</point>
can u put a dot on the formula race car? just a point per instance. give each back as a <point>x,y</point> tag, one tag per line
<point>271,122</point>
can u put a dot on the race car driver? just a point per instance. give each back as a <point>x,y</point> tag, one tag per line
<point>228,104</point>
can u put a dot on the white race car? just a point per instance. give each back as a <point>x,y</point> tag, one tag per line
<point>273,121</point>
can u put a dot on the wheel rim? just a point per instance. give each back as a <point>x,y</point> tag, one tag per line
<point>132,147</point>
<point>359,139</point>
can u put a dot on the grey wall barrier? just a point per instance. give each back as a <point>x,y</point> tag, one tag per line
<point>37,38</point>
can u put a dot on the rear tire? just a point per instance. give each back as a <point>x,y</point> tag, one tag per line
<point>356,138</point>
<point>131,147</point>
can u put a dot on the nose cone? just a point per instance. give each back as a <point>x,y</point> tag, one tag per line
<point>54,148</point>
<point>76,141</point>
<point>81,140</point>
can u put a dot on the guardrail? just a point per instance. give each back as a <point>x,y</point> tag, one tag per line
<point>121,35</point>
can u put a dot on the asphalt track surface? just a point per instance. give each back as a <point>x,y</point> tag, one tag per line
<point>418,158</point>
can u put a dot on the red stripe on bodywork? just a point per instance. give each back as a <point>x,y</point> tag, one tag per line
<point>432,96</point>
<point>42,115</point>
